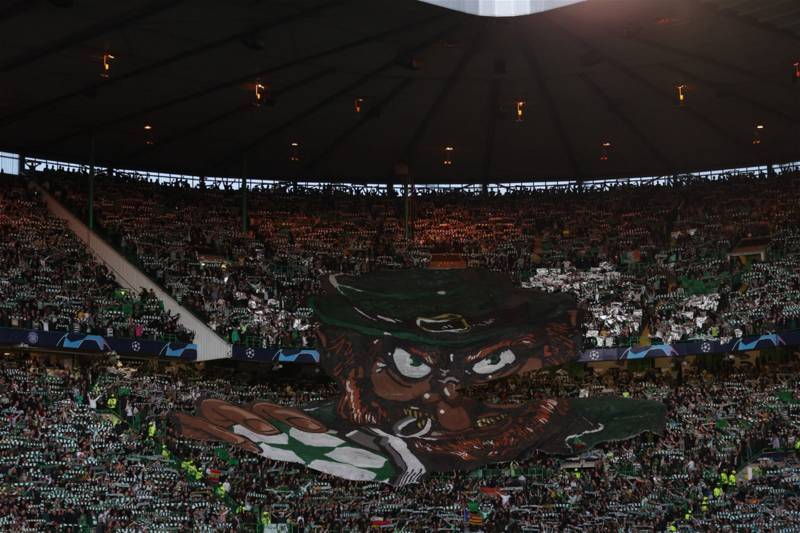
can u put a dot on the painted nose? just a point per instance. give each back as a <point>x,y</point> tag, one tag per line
<point>452,410</point>
<point>452,417</point>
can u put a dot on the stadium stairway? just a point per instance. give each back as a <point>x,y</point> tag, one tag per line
<point>209,344</point>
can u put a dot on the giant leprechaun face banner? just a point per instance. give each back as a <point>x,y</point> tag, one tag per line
<point>403,346</point>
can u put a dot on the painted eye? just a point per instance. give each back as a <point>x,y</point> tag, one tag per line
<point>409,365</point>
<point>497,361</point>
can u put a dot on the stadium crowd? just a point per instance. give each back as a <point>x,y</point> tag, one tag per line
<point>694,259</point>
<point>49,281</point>
<point>87,447</point>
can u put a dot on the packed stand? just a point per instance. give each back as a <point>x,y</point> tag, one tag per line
<point>64,466</point>
<point>50,282</point>
<point>696,259</point>
<point>729,458</point>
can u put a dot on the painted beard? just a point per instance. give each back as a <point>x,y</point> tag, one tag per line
<point>414,392</point>
<point>498,435</point>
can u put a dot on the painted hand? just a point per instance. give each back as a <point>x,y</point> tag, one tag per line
<point>284,434</point>
<point>218,420</point>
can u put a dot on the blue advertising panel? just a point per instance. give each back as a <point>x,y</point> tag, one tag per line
<point>699,347</point>
<point>85,342</point>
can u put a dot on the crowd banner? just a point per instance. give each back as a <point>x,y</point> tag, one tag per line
<point>275,354</point>
<point>89,343</point>
<point>400,345</point>
<point>696,347</point>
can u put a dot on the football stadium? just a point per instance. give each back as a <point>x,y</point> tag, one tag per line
<point>312,266</point>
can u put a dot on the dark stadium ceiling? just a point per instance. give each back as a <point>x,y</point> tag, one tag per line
<point>428,78</point>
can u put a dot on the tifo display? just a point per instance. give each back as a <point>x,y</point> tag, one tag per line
<point>450,398</point>
<point>407,266</point>
<point>402,346</point>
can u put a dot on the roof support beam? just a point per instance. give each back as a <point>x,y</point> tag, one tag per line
<point>668,95</point>
<point>447,86</point>
<point>217,118</point>
<point>544,90</point>
<point>733,14</point>
<point>753,76</point>
<point>778,112</point>
<point>164,62</point>
<point>368,116</point>
<point>630,124</point>
<point>491,116</point>
<point>249,77</point>
<point>336,95</point>
<point>17,8</point>
<point>85,34</point>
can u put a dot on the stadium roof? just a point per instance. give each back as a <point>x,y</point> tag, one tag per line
<point>424,78</point>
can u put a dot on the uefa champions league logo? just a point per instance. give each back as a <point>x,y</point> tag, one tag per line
<point>250,353</point>
<point>136,346</point>
<point>33,337</point>
<point>594,355</point>
<point>705,347</point>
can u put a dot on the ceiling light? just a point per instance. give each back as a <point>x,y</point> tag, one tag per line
<point>448,156</point>
<point>263,94</point>
<point>681,93</point>
<point>605,147</point>
<point>757,133</point>
<point>107,58</point>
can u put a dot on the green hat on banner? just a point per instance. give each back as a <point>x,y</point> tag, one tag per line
<point>438,307</point>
